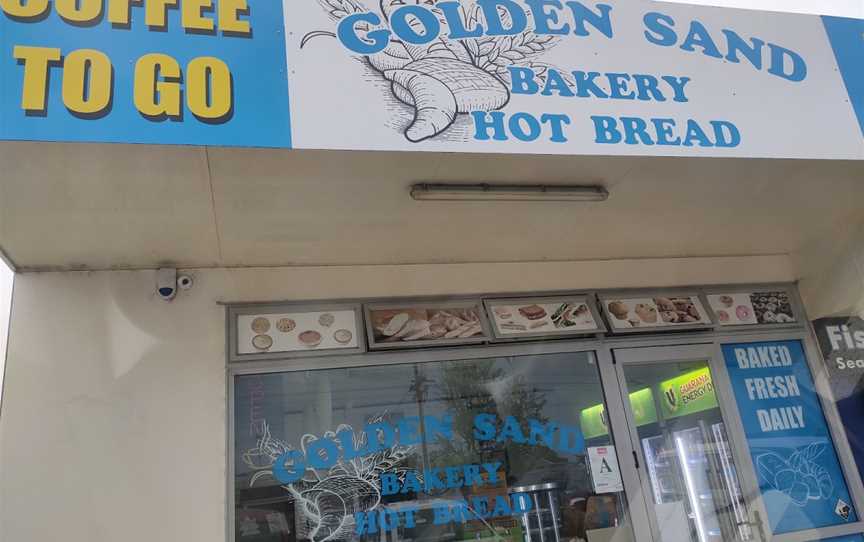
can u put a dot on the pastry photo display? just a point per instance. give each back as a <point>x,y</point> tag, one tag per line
<point>300,331</point>
<point>753,308</point>
<point>427,324</point>
<point>655,312</point>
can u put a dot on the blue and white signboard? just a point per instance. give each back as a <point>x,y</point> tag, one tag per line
<point>798,471</point>
<point>611,77</point>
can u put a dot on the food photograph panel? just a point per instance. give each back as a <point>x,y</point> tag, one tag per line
<point>674,311</point>
<point>424,324</point>
<point>546,316</point>
<point>765,307</point>
<point>298,331</point>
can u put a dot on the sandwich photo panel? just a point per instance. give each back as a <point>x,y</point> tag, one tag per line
<point>515,318</point>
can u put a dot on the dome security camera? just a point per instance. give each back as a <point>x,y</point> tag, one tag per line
<point>166,283</point>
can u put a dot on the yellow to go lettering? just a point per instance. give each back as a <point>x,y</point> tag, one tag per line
<point>88,84</point>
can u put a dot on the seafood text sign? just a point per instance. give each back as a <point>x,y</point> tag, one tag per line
<point>612,77</point>
<point>797,468</point>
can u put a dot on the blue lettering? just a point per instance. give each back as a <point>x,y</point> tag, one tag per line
<point>481,506</point>
<point>453,16</point>
<point>484,425</point>
<point>699,37</point>
<point>556,122</point>
<point>524,126</point>
<point>677,84</point>
<point>555,83</point>
<point>483,121</point>
<point>543,18</point>
<point>492,471</point>
<point>778,64</point>
<point>582,14</point>
<point>366,522</point>
<point>586,87</point>
<point>695,132</point>
<point>511,430</point>
<point>411,484</point>
<point>618,86</point>
<point>389,483</point>
<point>606,129</point>
<point>659,29</point>
<point>281,472</point>
<point>400,25</point>
<point>495,27</point>
<point>664,132</point>
<point>452,477</point>
<point>570,439</point>
<point>538,431</point>
<point>726,134</point>
<point>409,430</point>
<point>521,503</point>
<point>647,89</point>
<point>322,453</point>
<point>522,80</point>
<point>634,128</point>
<point>752,51</point>
<point>375,42</point>
<point>442,515</point>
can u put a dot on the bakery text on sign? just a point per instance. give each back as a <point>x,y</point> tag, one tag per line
<point>160,82</point>
<point>366,33</point>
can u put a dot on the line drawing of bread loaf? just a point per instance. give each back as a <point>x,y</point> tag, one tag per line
<point>446,77</point>
<point>439,88</point>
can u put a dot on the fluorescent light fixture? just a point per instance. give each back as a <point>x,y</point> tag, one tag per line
<point>507,192</point>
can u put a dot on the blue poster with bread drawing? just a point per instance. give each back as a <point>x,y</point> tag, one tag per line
<point>797,468</point>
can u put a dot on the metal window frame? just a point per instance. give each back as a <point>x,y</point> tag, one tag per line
<point>601,347</point>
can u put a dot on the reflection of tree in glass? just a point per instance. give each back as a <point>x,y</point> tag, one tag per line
<point>469,389</point>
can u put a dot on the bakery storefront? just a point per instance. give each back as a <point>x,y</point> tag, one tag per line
<point>431,271</point>
<point>689,415</point>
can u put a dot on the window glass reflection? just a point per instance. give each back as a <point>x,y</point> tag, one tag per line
<point>498,448</point>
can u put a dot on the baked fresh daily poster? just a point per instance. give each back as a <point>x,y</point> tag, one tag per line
<point>611,77</point>
<point>797,468</point>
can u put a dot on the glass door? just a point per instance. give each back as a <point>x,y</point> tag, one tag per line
<point>686,463</point>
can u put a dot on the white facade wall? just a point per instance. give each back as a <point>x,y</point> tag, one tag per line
<point>113,423</point>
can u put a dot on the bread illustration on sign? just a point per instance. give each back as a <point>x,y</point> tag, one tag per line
<point>260,325</point>
<point>310,338</point>
<point>646,313</point>
<point>533,312</point>
<point>619,309</point>
<point>445,78</point>
<point>406,325</point>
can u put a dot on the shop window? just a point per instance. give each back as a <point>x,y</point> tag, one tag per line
<point>506,448</point>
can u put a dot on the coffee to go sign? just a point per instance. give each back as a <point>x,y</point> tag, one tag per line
<point>160,81</point>
<point>479,76</point>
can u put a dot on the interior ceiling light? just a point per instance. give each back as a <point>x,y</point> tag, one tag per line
<point>507,192</point>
